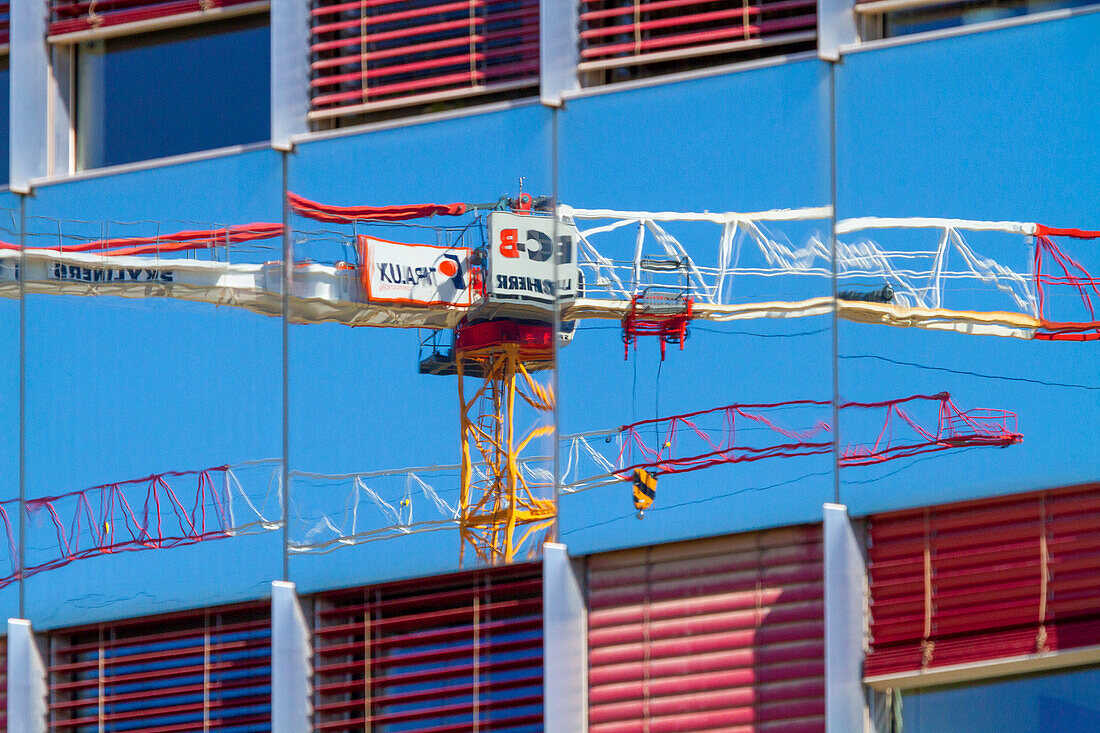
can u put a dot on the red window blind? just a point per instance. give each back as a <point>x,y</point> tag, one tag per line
<point>714,635</point>
<point>984,580</point>
<point>446,655</point>
<point>378,54</point>
<point>5,23</point>
<point>73,16</point>
<point>201,670</point>
<point>626,33</point>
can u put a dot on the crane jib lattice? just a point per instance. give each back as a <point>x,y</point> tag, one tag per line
<point>159,511</point>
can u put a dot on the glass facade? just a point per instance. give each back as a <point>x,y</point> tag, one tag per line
<point>311,434</point>
<point>159,94</point>
<point>1066,702</point>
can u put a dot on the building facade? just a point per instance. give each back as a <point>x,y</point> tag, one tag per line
<point>234,515</point>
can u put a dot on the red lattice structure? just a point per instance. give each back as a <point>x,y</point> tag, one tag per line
<point>655,313</point>
<point>1074,274</point>
<point>128,516</point>
<point>684,445</point>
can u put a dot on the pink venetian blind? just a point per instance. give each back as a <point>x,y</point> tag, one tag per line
<point>198,670</point>
<point>74,16</point>
<point>378,54</point>
<point>984,580</point>
<point>712,635</point>
<point>620,34</point>
<point>439,655</point>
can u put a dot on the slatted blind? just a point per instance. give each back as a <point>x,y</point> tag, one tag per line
<point>5,23</point>
<point>370,55</point>
<point>446,655</point>
<point>73,16</point>
<point>723,634</point>
<point>204,670</point>
<point>984,580</point>
<point>621,34</point>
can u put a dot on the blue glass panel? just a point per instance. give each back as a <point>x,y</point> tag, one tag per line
<point>161,94</point>
<point>4,103</point>
<point>1068,702</point>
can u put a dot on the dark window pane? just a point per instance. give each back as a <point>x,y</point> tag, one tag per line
<point>1068,702</point>
<point>4,119</point>
<point>917,20</point>
<point>159,94</point>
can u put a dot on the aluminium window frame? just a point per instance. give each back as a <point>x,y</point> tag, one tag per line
<point>62,50</point>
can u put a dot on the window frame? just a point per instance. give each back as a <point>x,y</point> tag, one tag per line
<point>63,93</point>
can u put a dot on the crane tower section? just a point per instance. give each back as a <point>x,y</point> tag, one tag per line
<point>528,269</point>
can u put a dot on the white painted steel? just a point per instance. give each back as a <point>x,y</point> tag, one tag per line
<point>845,623</point>
<point>564,643</point>
<point>836,27</point>
<point>559,50</point>
<point>27,688</point>
<point>291,662</point>
<point>289,71</point>
<point>28,94</point>
<point>846,226</point>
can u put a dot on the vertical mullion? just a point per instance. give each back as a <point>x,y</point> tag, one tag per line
<point>475,691</point>
<point>364,80</point>
<point>471,34</point>
<point>100,712</point>
<point>206,672</point>
<point>368,655</point>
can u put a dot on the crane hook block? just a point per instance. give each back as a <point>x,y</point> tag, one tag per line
<point>645,489</point>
